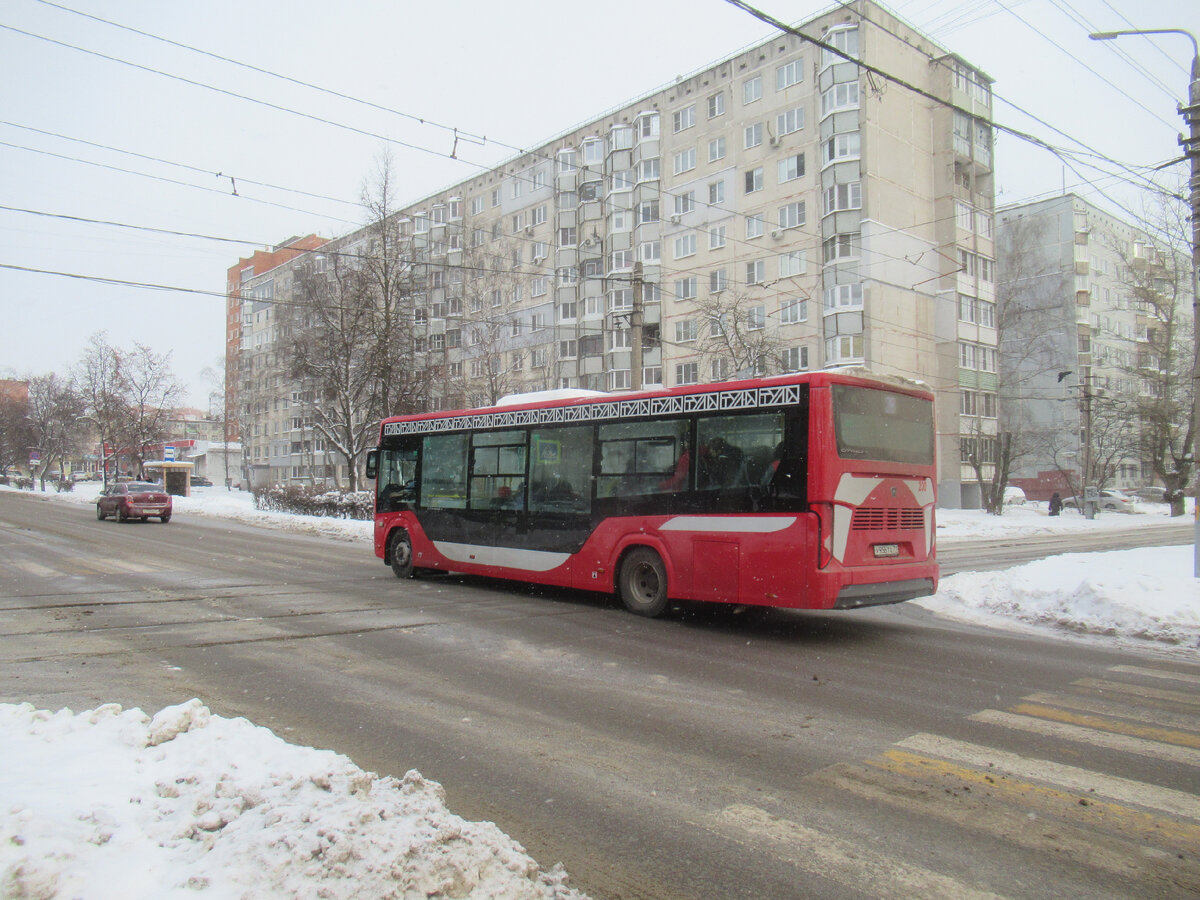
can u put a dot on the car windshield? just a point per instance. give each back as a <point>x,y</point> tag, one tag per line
<point>141,487</point>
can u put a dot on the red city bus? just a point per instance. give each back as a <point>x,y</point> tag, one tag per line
<point>811,491</point>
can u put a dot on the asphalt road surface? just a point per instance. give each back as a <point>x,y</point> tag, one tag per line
<point>708,754</point>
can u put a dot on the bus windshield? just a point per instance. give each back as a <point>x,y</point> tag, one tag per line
<point>882,425</point>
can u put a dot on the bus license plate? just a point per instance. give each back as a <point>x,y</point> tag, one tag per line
<point>886,550</point>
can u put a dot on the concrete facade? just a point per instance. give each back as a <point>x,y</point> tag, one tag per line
<point>789,210</point>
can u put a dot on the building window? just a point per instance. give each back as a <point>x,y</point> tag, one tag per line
<point>685,245</point>
<point>593,151</point>
<point>647,125</point>
<point>716,105</point>
<point>754,180</point>
<point>685,203</point>
<point>756,317</point>
<point>683,119</point>
<point>842,246</point>
<point>793,311</point>
<point>843,196</point>
<point>716,149</point>
<point>716,192</point>
<point>650,251</point>
<point>754,225</point>
<point>619,380</point>
<point>568,161</point>
<point>476,206</point>
<point>716,237</point>
<point>792,215</point>
<point>620,138</point>
<point>791,168</point>
<point>843,39</point>
<point>752,89</point>
<point>687,373</point>
<point>838,97</point>
<point>844,296</point>
<point>621,339</point>
<point>795,359</point>
<point>567,237</point>
<point>842,146</point>
<point>648,169</point>
<point>844,348</point>
<point>793,263</point>
<point>717,281</point>
<point>753,135</point>
<point>568,349</point>
<point>622,259</point>
<point>788,74</point>
<point>620,220</point>
<point>790,122</point>
<point>756,271</point>
<point>647,212</point>
<point>685,331</point>
<point>685,160</point>
<point>685,288</point>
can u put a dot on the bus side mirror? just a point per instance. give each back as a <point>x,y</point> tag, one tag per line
<point>372,464</point>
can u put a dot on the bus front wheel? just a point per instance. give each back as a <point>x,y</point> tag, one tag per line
<point>401,555</point>
<point>643,583</point>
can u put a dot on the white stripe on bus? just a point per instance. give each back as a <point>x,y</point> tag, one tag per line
<point>740,524</point>
<point>508,557</point>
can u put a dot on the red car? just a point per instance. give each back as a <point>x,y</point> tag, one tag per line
<point>131,499</point>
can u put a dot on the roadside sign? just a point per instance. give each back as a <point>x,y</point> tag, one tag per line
<point>168,454</point>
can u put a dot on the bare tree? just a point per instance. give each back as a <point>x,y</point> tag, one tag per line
<point>734,336</point>
<point>16,433</point>
<point>1158,274</point>
<point>54,409</point>
<point>150,394</point>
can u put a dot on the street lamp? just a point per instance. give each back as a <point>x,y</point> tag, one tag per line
<point>1191,149</point>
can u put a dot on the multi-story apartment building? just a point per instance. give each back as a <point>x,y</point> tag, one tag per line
<point>781,210</point>
<point>1089,303</point>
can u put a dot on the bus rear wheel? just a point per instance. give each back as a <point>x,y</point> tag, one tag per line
<point>643,583</point>
<point>401,555</point>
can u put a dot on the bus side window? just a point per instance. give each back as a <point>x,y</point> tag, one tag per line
<point>498,470</point>
<point>738,452</point>
<point>560,470</point>
<point>642,458</point>
<point>444,472</point>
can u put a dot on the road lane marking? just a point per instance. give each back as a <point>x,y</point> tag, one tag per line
<point>1157,673</point>
<point>848,863</point>
<point>1123,790</point>
<point>1103,723</point>
<point>1140,746</point>
<point>31,568</point>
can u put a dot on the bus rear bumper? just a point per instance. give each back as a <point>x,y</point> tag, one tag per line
<point>855,596</point>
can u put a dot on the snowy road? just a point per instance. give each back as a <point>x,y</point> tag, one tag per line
<point>882,753</point>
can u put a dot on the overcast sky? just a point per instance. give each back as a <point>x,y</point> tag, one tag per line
<point>86,135</point>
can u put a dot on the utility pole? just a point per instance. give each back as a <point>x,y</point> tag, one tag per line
<point>1191,150</point>
<point>1089,505</point>
<point>635,331</point>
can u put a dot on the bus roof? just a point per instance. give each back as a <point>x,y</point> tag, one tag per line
<point>572,398</point>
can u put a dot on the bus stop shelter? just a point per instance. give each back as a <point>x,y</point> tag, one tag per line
<point>175,476</point>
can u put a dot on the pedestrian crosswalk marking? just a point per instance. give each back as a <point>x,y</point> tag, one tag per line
<point>1135,690</point>
<point>1069,778</point>
<point>847,862</point>
<point>1118,709</point>
<point>31,568</point>
<point>1081,806</point>
<point>1157,673</point>
<point>1103,723</point>
<point>1124,743</point>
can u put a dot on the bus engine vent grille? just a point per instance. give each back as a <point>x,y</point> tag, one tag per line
<point>874,518</point>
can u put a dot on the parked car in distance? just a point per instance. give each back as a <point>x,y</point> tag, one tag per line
<point>1151,494</point>
<point>1117,501</point>
<point>200,481</point>
<point>134,500</point>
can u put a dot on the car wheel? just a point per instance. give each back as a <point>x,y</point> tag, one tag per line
<point>165,519</point>
<point>401,555</point>
<point>643,583</point>
<point>99,513</point>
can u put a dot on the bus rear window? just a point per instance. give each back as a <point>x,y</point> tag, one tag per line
<point>882,425</point>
